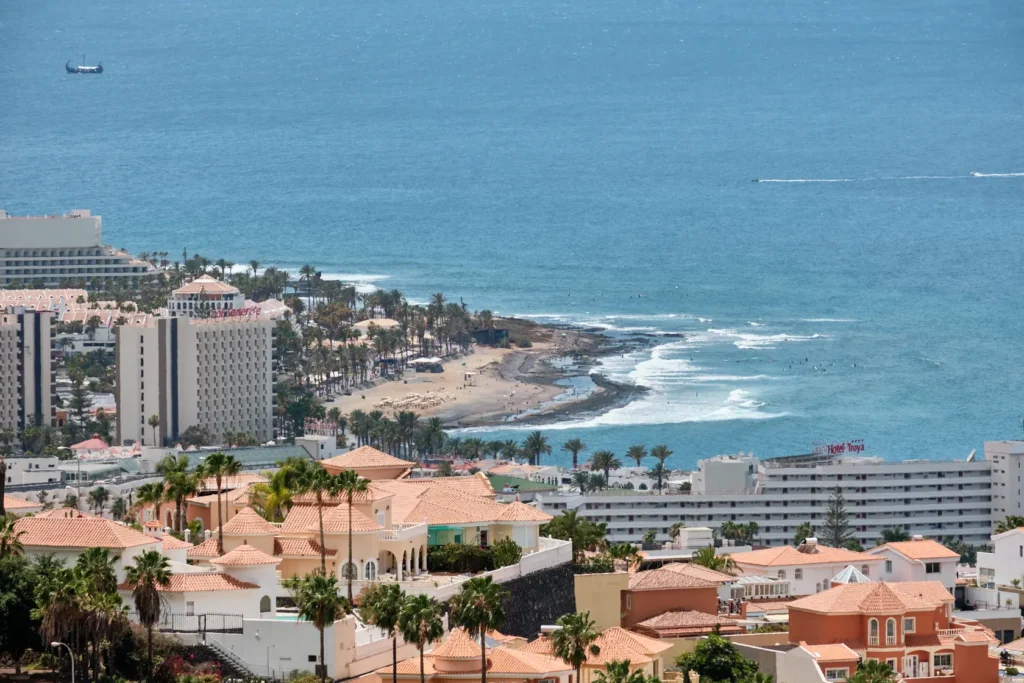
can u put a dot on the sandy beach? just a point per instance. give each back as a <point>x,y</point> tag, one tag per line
<point>489,385</point>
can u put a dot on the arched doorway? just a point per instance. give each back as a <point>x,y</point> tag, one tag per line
<point>423,558</point>
<point>168,518</point>
<point>388,563</point>
<point>370,570</point>
<point>264,604</point>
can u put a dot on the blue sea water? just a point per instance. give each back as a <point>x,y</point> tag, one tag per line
<point>587,162</point>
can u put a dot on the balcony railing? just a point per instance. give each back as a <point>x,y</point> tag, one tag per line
<point>403,531</point>
<point>890,640</point>
<point>196,623</point>
<point>872,640</point>
<point>950,632</point>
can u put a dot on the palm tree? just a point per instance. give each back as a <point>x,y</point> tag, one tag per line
<point>420,623</point>
<point>604,461</point>
<point>98,498</point>
<point>119,508</point>
<point>581,480</point>
<point>626,552</point>
<point>477,608</point>
<point>873,671</point>
<point>147,494</point>
<point>1011,522</point>
<point>381,606</point>
<point>675,530</point>
<point>150,572</point>
<point>97,566</point>
<point>661,453</point>
<point>219,465</point>
<point>573,641</point>
<point>659,473</point>
<point>583,533</point>
<point>350,484</point>
<point>894,535</point>
<point>254,266</point>
<point>637,453</point>
<point>318,600</point>
<point>574,446</point>
<point>535,445</point>
<point>620,672</point>
<point>706,557</point>
<point>154,422</point>
<point>317,481</point>
<point>10,538</point>
<point>179,483</point>
<point>274,498</point>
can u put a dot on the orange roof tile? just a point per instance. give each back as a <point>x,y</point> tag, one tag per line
<point>11,503</point>
<point>925,549</point>
<point>521,512</point>
<point>618,644</point>
<point>235,496</point>
<point>233,482</point>
<point>371,494</point>
<point>365,457</point>
<point>699,572</point>
<point>1014,645</point>
<point>245,555</point>
<point>976,637</point>
<point>336,521</point>
<point>248,522</point>
<point>788,556</point>
<point>79,532</point>
<point>832,652</point>
<point>207,284</point>
<point>205,550</point>
<point>875,598</point>
<point>666,579</point>
<point>65,513</point>
<point>299,547</point>
<point>199,583</point>
<point>171,543</point>
<point>501,661</point>
<point>458,645</point>
<point>686,623</point>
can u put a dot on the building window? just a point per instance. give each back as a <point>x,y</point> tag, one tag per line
<point>865,570</point>
<point>890,632</point>
<point>873,632</point>
<point>190,608</point>
<point>891,663</point>
<point>629,601</point>
<point>798,574</point>
<point>837,674</point>
<point>944,661</point>
<point>782,573</point>
<point>931,568</point>
<point>888,566</point>
<point>909,625</point>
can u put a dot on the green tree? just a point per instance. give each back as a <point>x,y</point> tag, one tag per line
<point>146,576</point>
<point>20,631</point>
<point>96,566</point>
<point>893,535</point>
<point>626,552</point>
<point>836,528</point>
<point>574,446</point>
<point>318,600</point>
<point>274,498</point>
<point>803,532</point>
<point>154,422</point>
<point>321,484</point>
<point>581,480</point>
<point>675,530</point>
<point>179,484</point>
<point>381,606</point>
<point>584,534</point>
<point>536,444</point>
<point>604,461</point>
<point>617,671</point>
<point>477,608</point>
<point>638,453</point>
<point>119,508</point>
<point>873,671</point>
<point>650,536</point>
<point>10,537</point>
<point>573,641</point>
<point>145,495</point>
<point>706,557</point>
<point>659,473</point>
<point>1009,523</point>
<point>350,484</point>
<point>218,466</point>
<point>661,453</point>
<point>716,659</point>
<point>98,498</point>
<point>420,623</point>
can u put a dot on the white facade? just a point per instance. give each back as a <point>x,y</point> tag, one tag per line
<point>27,387</point>
<point>49,250</point>
<point>899,567</point>
<point>808,579</point>
<point>33,471</point>
<point>205,296</point>
<point>217,373</point>
<point>69,556</point>
<point>1005,457</point>
<point>1006,561</point>
<point>726,474</point>
<point>931,498</point>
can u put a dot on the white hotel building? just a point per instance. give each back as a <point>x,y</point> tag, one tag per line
<point>935,499</point>
<point>45,251</point>
<point>215,372</point>
<point>27,380</point>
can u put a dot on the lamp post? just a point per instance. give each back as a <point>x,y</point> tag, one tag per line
<point>71,654</point>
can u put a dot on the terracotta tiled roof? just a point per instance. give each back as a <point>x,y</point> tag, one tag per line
<point>1014,646</point>
<point>299,547</point>
<point>11,503</point>
<point>249,523</point>
<point>205,550</point>
<point>458,645</point>
<point>205,283</point>
<point>618,644</point>
<point>666,579</point>
<point>152,524</point>
<point>768,605</point>
<point>79,533</point>
<point>788,556</point>
<point>371,494</point>
<point>65,513</point>
<point>521,512</point>
<point>698,571</point>
<point>502,662</point>
<point>299,518</point>
<point>925,549</point>
<point>245,555</point>
<point>875,598</point>
<point>541,645</point>
<point>171,543</point>
<point>93,444</point>
<point>235,496</point>
<point>833,652</point>
<point>199,583</point>
<point>365,457</point>
<point>976,637</point>
<point>336,521</point>
<point>682,623</point>
<point>922,640</point>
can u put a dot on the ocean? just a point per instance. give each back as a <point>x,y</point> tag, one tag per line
<point>587,163</point>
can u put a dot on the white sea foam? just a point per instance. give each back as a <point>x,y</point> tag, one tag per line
<point>753,324</point>
<point>996,175</point>
<point>829,320</point>
<point>747,340</point>
<point>972,174</point>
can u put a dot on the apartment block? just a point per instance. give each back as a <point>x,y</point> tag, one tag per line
<point>27,381</point>
<point>216,373</point>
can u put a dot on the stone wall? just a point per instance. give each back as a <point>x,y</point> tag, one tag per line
<point>538,599</point>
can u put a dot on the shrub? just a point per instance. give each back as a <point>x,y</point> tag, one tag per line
<point>524,343</point>
<point>595,565</point>
<point>1011,671</point>
<point>506,552</point>
<point>460,559</point>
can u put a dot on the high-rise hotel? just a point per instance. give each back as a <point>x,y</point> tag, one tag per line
<point>27,394</point>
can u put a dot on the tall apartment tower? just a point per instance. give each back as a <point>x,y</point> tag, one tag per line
<point>216,373</point>
<point>27,382</point>
<point>1007,473</point>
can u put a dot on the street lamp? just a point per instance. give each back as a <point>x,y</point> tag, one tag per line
<point>72,654</point>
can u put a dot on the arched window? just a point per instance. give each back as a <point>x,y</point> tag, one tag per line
<point>264,604</point>
<point>890,632</point>
<point>798,574</point>
<point>864,569</point>
<point>873,632</point>
<point>349,571</point>
<point>782,573</point>
<point>370,572</point>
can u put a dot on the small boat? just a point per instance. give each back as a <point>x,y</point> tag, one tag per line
<point>756,180</point>
<point>83,69</point>
<point>975,174</point>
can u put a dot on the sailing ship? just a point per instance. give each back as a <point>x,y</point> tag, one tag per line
<point>83,68</point>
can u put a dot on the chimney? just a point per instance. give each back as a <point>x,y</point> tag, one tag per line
<point>206,535</point>
<point>917,537</point>
<point>808,545</point>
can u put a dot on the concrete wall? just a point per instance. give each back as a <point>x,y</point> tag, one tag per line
<point>904,569</point>
<point>538,599</point>
<point>600,593</point>
<point>48,233</point>
<point>814,578</point>
<point>638,606</point>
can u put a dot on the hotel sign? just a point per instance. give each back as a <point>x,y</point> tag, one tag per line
<point>235,312</point>
<point>839,447</point>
